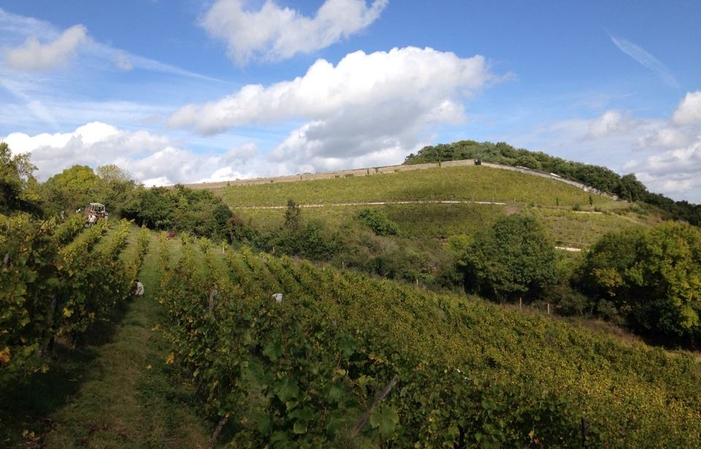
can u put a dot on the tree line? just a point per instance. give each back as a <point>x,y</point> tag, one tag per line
<point>176,209</point>
<point>626,187</point>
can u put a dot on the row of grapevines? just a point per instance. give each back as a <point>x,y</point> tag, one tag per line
<point>305,372</point>
<point>56,280</point>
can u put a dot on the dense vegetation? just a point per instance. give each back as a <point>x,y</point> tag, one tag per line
<point>626,187</point>
<point>651,279</point>
<point>302,372</point>
<point>56,281</point>
<point>340,360</point>
<point>18,186</point>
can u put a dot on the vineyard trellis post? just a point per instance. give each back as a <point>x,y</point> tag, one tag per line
<point>378,397</point>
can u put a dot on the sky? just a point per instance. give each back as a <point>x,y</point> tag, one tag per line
<point>185,91</point>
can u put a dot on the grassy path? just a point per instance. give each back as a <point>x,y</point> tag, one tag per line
<point>126,397</point>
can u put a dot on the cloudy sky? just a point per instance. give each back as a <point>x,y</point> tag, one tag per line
<point>180,91</point>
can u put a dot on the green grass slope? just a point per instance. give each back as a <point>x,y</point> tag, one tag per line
<point>440,202</point>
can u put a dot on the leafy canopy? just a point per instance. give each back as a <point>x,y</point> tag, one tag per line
<point>515,258</point>
<point>653,277</point>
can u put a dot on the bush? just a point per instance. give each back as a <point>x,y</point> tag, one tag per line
<point>378,222</point>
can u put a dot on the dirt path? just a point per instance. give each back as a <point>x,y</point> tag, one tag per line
<point>377,203</point>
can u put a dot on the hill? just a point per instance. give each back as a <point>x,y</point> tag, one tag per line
<point>431,202</point>
<point>301,369</point>
<point>598,177</point>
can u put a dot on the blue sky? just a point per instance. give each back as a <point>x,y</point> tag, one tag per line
<point>184,91</point>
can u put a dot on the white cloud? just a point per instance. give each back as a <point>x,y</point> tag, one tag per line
<point>664,137</point>
<point>371,82</point>
<point>150,158</point>
<point>674,172</point>
<point>304,152</point>
<point>646,59</point>
<point>93,144</point>
<point>34,55</point>
<point>688,111</point>
<point>157,182</point>
<point>355,111</point>
<point>276,33</point>
<point>611,122</point>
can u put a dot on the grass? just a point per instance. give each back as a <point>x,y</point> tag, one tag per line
<point>469,183</point>
<point>117,392</point>
<point>575,218</point>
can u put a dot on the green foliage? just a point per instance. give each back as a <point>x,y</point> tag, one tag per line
<point>515,258</point>
<point>312,240</point>
<point>631,189</point>
<point>653,277</point>
<point>301,372</point>
<point>54,282</point>
<point>378,222</point>
<point>79,185</point>
<point>18,187</point>
<point>73,188</point>
<point>293,216</point>
<point>118,186</point>
<point>180,209</point>
<point>627,187</point>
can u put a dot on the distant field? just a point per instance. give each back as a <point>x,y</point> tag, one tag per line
<point>576,218</point>
<point>472,183</point>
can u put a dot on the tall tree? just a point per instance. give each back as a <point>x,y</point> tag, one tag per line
<point>653,278</point>
<point>17,182</point>
<point>293,216</point>
<point>74,187</point>
<point>120,189</point>
<point>631,189</point>
<point>515,258</point>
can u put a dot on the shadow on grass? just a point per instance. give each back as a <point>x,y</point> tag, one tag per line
<point>26,407</point>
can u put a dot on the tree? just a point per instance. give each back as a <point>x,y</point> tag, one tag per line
<point>653,277</point>
<point>515,258</point>
<point>17,182</point>
<point>119,187</point>
<point>377,221</point>
<point>155,209</point>
<point>631,189</point>
<point>73,188</point>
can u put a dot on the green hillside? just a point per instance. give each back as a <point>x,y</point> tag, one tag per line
<point>456,370</point>
<point>300,372</point>
<point>412,199</point>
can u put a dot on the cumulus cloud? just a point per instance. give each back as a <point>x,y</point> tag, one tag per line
<point>356,108</point>
<point>376,81</point>
<point>611,122</point>
<point>34,55</point>
<point>92,144</point>
<point>674,147</point>
<point>674,172</point>
<point>664,137</point>
<point>151,159</point>
<point>276,33</point>
<point>646,59</point>
<point>688,111</point>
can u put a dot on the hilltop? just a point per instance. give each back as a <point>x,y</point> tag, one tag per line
<point>438,200</point>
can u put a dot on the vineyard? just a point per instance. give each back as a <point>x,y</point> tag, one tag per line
<point>57,280</point>
<point>285,353</point>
